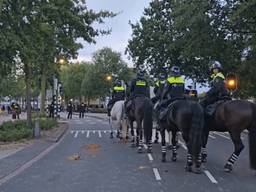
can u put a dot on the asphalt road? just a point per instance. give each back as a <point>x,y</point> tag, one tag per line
<point>105,165</point>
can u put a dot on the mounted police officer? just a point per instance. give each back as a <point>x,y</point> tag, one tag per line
<point>139,88</point>
<point>118,94</point>
<point>159,85</point>
<point>174,89</point>
<point>218,89</point>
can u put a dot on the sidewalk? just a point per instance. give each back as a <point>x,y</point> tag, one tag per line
<point>14,154</point>
<point>8,117</point>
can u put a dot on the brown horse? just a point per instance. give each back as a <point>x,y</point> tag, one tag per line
<point>186,116</point>
<point>142,115</point>
<point>233,116</point>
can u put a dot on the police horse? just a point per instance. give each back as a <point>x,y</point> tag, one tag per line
<point>117,120</point>
<point>186,116</point>
<point>141,112</point>
<point>233,116</point>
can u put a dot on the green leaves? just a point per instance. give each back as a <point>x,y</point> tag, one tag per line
<point>89,79</point>
<point>192,33</point>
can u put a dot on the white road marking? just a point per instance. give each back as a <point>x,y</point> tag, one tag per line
<point>88,134</point>
<point>76,134</point>
<point>83,132</point>
<point>99,133</point>
<point>157,175</point>
<point>145,146</point>
<point>71,132</point>
<point>183,145</point>
<point>222,135</point>
<point>209,175</point>
<point>93,132</point>
<point>105,131</point>
<point>150,157</point>
<point>212,136</point>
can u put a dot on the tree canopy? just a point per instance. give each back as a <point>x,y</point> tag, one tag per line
<point>192,33</point>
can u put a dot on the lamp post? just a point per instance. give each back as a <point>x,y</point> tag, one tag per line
<point>36,131</point>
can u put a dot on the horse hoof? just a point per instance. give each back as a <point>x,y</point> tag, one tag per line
<point>126,137</point>
<point>163,160</point>
<point>169,147</point>
<point>111,136</point>
<point>174,159</point>
<point>197,170</point>
<point>228,168</point>
<point>140,150</point>
<point>156,142</point>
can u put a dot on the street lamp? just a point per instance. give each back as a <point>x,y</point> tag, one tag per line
<point>61,61</point>
<point>108,77</point>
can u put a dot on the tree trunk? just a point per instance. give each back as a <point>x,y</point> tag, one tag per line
<point>28,80</point>
<point>43,90</point>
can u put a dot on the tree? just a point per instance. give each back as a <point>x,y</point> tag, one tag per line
<point>36,32</point>
<point>71,77</point>
<point>184,33</point>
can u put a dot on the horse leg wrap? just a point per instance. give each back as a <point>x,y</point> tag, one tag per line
<point>199,160</point>
<point>149,146</point>
<point>229,165</point>
<point>189,163</point>
<point>163,148</point>
<point>174,153</point>
<point>204,155</point>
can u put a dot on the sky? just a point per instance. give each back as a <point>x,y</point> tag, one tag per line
<point>130,10</point>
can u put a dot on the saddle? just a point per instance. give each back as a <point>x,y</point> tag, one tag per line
<point>210,109</point>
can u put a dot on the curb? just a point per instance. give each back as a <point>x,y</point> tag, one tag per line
<point>59,135</point>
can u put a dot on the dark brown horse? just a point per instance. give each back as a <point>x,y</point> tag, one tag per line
<point>186,116</point>
<point>141,113</point>
<point>233,116</point>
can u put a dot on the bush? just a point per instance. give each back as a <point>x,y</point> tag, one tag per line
<point>47,123</point>
<point>14,131</point>
<point>17,130</point>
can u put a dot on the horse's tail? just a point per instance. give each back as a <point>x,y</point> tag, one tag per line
<point>196,130</point>
<point>148,119</point>
<point>252,140</point>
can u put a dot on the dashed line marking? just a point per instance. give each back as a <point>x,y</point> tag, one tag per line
<point>209,175</point>
<point>183,145</point>
<point>157,175</point>
<point>150,157</point>
<point>145,146</point>
<point>83,132</point>
<point>93,132</point>
<point>222,135</point>
<point>75,136</point>
<point>212,136</point>
<point>99,134</point>
<point>88,134</point>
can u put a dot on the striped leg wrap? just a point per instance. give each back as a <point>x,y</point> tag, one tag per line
<point>203,151</point>
<point>199,158</point>
<point>232,159</point>
<point>150,144</point>
<point>140,143</point>
<point>189,158</point>
<point>163,149</point>
<point>174,149</point>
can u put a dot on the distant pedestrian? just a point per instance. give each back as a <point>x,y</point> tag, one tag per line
<point>51,110</point>
<point>81,110</point>
<point>70,110</point>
